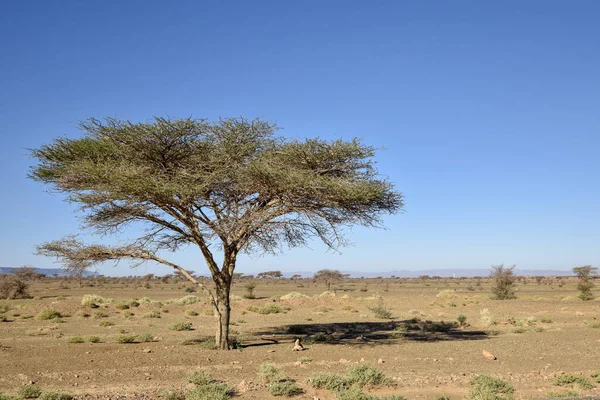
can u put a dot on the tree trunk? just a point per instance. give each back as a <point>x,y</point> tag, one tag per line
<point>222,311</point>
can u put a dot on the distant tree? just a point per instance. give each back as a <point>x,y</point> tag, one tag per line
<point>585,275</point>
<point>270,274</point>
<point>328,276</point>
<point>16,284</point>
<point>503,282</point>
<point>231,185</point>
<point>296,276</point>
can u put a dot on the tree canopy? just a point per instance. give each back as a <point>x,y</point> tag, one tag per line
<point>231,186</point>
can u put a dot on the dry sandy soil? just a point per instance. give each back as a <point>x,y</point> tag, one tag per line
<point>547,331</point>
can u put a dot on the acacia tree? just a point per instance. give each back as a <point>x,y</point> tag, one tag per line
<point>329,276</point>
<point>585,275</point>
<point>230,185</point>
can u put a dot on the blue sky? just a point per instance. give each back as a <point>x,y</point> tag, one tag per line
<point>488,112</point>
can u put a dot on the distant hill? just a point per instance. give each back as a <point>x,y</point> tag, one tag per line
<point>446,273</point>
<point>46,271</point>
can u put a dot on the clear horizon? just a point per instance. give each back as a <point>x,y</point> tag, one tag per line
<point>488,113</point>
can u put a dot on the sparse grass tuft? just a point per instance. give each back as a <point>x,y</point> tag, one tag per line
<point>55,396</point>
<point>123,339</point>
<point>270,373</point>
<point>267,309</point>
<point>182,326</point>
<point>200,378</point>
<point>48,314</point>
<point>381,310</point>
<point>563,395</point>
<point>106,323</point>
<point>571,380</point>
<point>185,300</point>
<point>293,295</point>
<point>94,301</point>
<point>214,391</point>
<point>192,313</point>
<point>484,387</point>
<point>285,388</point>
<point>546,320</point>
<point>94,339</point>
<point>76,339</point>
<point>29,392</point>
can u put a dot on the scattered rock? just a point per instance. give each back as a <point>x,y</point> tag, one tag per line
<point>147,350</point>
<point>486,354</point>
<point>270,351</point>
<point>343,361</point>
<point>380,361</point>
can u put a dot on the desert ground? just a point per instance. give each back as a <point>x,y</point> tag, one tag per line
<point>546,332</point>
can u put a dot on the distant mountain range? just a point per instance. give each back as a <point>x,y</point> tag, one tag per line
<point>46,271</point>
<point>446,273</point>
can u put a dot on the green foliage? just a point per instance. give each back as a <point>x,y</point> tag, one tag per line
<point>192,313</point>
<point>93,300</point>
<point>593,325</point>
<point>285,388</point>
<point>563,395</point>
<point>185,300</point>
<point>358,394</point>
<point>504,282</point>
<point>56,396</point>
<point>214,391</point>
<point>484,387</point>
<point>462,319</point>
<point>146,337</point>
<point>364,375</point>
<point>122,306</point>
<point>76,339</point>
<point>270,373</point>
<point>123,339</point>
<point>171,395</point>
<point>546,320</point>
<point>321,337</point>
<point>267,309</point>
<point>586,284</point>
<point>181,326</point>
<point>571,380</point>
<point>106,323</point>
<point>357,377</point>
<point>29,392</point>
<point>381,310</point>
<point>200,378</point>
<point>48,314</point>
<point>94,339</point>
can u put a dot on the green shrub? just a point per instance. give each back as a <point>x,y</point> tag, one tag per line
<point>320,337</point>
<point>127,339</point>
<point>49,314</point>
<point>55,396</point>
<point>285,388</point>
<point>358,394</point>
<point>106,323</point>
<point>571,380</point>
<point>170,395</point>
<point>153,314</point>
<point>200,378</point>
<point>484,387</point>
<point>270,373</point>
<point>94,339</point>
<point>100,314</point>
<point>214,391</point>
<point>182,326</point>
<point>94,301</point>
<point>462,319</point>
<point>366,376</point>
<point>596,376</point>
<point>504,282</point>
<point>122,306</point>
<point>518,329</point>
<point>29,392</point>
<point>207,343</point>
<point>546,320</point>
<point>562,395</point>
<point>381,311</point>
<point>329,381</point>
<point>593,325</point>
<point>192,313</point>
<point>185,300</point>
<point>146,337</point>
<point>268,309</point>
<point>76,339</point>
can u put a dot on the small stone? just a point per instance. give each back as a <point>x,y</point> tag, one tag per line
<point>298,345</point>
<point>146,350</point>
<point>488,355</point>
<point>343,361</point>
<point>380,361</point>
<point>270,351</point>
<point>362,359</point>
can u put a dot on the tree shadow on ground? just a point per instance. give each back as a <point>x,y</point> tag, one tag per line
<point>370,333</point>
